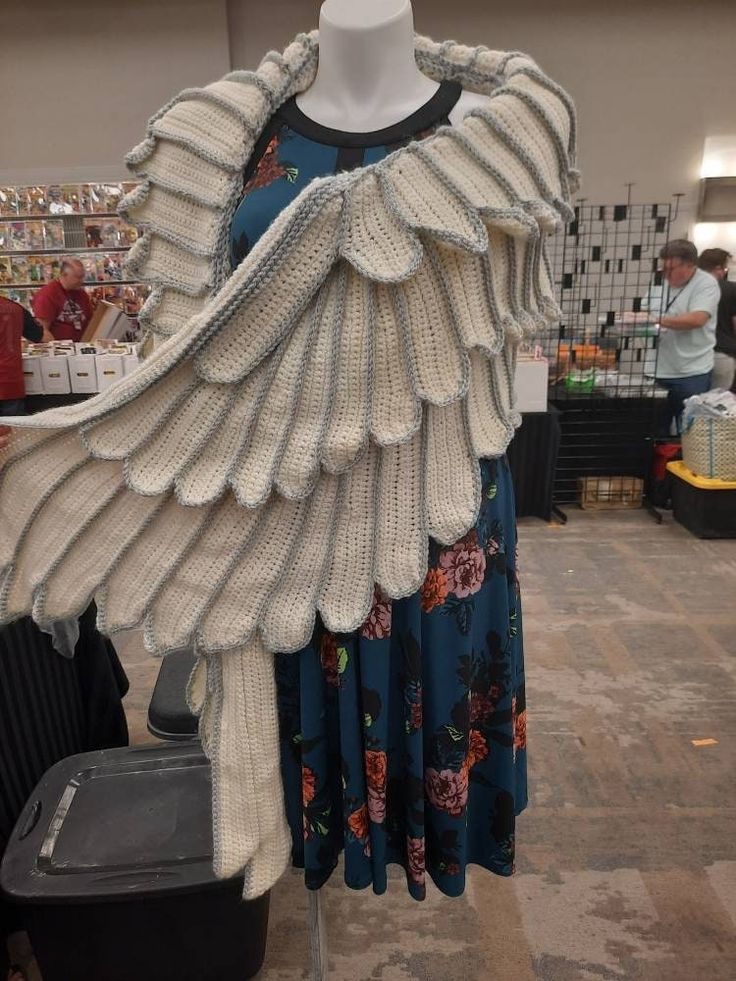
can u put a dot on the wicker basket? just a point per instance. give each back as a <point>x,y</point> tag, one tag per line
<point>709,448</point>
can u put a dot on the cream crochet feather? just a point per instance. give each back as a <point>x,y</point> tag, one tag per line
<point>309,419</point>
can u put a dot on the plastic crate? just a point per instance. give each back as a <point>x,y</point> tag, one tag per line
<point>705,506</point>
<point>110,863</point>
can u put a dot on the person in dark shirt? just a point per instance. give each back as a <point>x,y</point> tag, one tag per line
<point>715,262</point>
<point>15,323</point>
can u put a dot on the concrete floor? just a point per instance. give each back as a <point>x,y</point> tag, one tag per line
<point>627,854</point>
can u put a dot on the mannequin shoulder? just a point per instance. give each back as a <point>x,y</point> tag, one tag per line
<point>467,102</point>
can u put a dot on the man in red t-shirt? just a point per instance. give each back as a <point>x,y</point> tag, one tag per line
<point>15,323</point>
<point>62,306</point>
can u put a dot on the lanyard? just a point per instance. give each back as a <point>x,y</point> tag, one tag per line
<point>678,293</point>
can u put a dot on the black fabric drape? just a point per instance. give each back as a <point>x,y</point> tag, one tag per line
<point>52,707</point>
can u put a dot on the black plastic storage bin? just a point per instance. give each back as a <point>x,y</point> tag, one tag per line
<point>705,506</point>
<point>111,863</point>
<point>169,716</point>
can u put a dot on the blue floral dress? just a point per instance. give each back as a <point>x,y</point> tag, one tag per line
<point>404,742</point>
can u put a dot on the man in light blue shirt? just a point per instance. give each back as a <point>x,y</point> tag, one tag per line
<point>688,316</point>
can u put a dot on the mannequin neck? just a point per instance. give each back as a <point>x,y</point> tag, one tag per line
<point>367,77</point>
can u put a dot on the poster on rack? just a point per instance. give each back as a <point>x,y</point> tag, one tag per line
<point>35,268</point>
<point>53,233</point>
<point>6,271</point>
<point>93,233</point>
<point>36,201</point>
<point>128,234</point>
<point>90,268</point>
<point>19,269</point>
<point>18,236</point>
<point>112,266</point>
<point>34,235</point>
<point>8,201</point>
<point>71,196</point>
<point>57,204</point>
<point>110,233</point>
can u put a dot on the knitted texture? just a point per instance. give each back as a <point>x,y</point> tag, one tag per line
<point>312,418</point>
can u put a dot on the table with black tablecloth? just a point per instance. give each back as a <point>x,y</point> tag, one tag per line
<point>533,459</point>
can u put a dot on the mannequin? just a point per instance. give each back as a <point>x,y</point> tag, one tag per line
<point>365,340</point>
<point>367,78</point>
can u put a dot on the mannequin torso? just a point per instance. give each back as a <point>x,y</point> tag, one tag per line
<point>367,77</point>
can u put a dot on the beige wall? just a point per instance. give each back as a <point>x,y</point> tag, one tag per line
<point>80,78</point>
<point>651,79</point>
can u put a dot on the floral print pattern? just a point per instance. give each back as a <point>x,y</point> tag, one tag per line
<point>405,742</point>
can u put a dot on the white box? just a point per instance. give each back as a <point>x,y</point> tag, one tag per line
<point>32,375</point>
<point>109,370</point>
<point>83,373</point>
<point>55,374</point>
<point>130,362</point>
<point>530,383</point>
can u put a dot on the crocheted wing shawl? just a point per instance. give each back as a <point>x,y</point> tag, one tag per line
<point>311,418</point>
<point>317,414</point>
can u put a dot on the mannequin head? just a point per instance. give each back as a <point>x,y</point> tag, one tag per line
<point>362,14</point>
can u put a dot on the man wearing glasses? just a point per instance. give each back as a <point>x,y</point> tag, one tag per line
<point>687,320</point>
<point>715,262</point>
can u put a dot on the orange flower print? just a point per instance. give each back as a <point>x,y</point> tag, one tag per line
<point>520,730</point>
<point>477,748</point>
<point>308,785</point>
<point>435,589</point>
<point>376,766</point>
<point>358,822</point>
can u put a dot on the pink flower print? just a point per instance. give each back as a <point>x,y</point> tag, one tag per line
<point>378,624</point>
<point>447,790</point>
<point>376,805</point>
<point>415,859</point>
<point>464,565</point>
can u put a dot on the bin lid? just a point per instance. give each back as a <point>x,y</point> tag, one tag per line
<point>115,824</point>
<point>678,468</point>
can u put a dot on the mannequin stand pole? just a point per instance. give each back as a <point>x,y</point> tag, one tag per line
<point>317,929</point>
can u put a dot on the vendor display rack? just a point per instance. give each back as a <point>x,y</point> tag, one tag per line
<point>41,224</point>
<point>603,355</point>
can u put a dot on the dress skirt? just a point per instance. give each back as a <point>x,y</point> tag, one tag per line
<point>405,742</point>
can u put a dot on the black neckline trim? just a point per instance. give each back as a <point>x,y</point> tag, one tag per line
<point>433,111</point>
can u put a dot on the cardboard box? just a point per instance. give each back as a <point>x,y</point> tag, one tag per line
<point>108,322</point>
<point>530,384</point>
<point>109,369</point>
<point>83,372</point>
<point>610,493</point>
<point>32,375</point>
<point>55,374</point>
